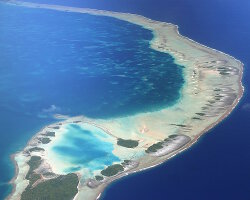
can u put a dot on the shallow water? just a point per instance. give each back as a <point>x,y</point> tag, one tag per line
<point>84,147</point>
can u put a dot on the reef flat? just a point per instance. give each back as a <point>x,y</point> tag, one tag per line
<point>212,89</point>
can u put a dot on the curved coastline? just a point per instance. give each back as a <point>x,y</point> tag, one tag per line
<point>190,143</point>
<point>154,44</point>
<point>186,146</point>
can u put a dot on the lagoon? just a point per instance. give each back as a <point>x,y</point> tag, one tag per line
<point>82,147</point>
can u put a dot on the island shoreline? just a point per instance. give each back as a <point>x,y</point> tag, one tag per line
<point>188,145</point>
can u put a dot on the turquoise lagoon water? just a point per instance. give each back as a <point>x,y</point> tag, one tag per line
<point>75,64</point>
<point>85,147</point>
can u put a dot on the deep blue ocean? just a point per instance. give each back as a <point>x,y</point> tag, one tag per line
<point>217,167</point>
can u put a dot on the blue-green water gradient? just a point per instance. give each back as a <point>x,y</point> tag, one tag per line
<point>70,63</point>
<point>85,147</point>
